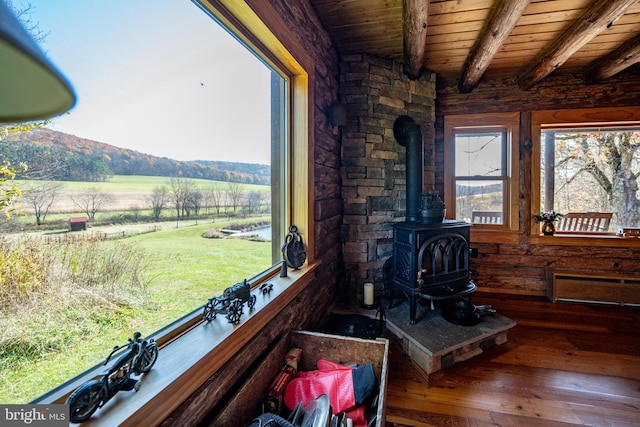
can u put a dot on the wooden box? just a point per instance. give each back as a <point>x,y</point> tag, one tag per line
<point>315,346</point>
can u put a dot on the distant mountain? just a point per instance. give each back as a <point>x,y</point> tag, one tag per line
<point>50,154</point>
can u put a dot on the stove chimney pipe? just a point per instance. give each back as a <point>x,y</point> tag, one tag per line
<point>409,135</point>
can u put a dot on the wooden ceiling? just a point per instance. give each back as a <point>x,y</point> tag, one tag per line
<point>469,39</point>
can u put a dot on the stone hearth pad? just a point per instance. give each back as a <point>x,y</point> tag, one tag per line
<point>434,343</point>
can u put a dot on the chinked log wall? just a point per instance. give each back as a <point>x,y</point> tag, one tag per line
<point>522,268</point>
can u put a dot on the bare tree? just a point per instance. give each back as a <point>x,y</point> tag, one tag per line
<point>41,197</point>
<point>217,197</point>
<point>254,200</point>
<point>91,201</point>
<point>194,201</point>
<point>158,199</point>
<point>181,190</point>
<point>235,191</point>
<point>611,159</point>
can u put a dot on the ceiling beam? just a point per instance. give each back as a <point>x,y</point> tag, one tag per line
<point>415,14</point>
<point>504,18</point>
<point>598,17</point>
<point>609,65</point>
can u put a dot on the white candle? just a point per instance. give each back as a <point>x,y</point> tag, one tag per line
<point>368,294</point>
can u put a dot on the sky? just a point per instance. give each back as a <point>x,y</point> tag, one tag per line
<point>157,76</point>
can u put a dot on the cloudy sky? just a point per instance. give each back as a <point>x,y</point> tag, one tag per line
<point>157,76</point>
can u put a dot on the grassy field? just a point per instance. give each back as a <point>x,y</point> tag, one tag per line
<point>129,194</point>
<point>135,184</point>
<point>185,270</point>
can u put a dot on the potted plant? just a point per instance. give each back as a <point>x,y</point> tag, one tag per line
<point>548,220</point>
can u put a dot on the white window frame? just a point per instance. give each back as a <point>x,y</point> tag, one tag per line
<point>509,122</point>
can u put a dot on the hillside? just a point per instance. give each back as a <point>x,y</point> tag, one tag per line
<point>59,156</point>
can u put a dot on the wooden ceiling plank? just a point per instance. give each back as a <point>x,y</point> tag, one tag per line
<point>539,7</point>
<point>453,6</point>
<point>415,15</point>
<point>592,22</point>
<point>465,27</point>
<point>609,65</point>
<point>499,26</point>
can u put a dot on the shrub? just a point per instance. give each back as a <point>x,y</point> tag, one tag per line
<point>52,295</point>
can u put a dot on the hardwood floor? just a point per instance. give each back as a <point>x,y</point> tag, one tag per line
<point>564,364</point>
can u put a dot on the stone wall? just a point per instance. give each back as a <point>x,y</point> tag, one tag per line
<point>376,92</point>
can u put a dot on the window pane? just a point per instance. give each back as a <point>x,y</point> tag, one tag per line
<point>479,154</point>
<point>198,126</point>
<point>592,170</point>
<point>479,202</point>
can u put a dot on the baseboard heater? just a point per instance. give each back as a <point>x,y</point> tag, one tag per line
<point>594,286</point>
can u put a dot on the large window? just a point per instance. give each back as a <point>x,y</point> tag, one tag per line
<point>479,169</point>
<point>586,165</point>
<point>219,102</point>
<point>593,173</point>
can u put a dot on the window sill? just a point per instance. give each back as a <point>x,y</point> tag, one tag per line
<point>575,239</point>
<point>186,362</point>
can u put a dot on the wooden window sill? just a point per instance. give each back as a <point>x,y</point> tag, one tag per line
<point>190,359</point>
<point>575,239</point>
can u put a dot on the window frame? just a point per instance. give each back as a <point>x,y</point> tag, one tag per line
<point>507,232</point>
<point>176,377</point>
<point>574,118</point>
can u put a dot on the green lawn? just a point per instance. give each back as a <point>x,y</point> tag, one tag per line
<point>186,270</point>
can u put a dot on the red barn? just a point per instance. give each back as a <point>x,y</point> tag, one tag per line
<point>77,223</point>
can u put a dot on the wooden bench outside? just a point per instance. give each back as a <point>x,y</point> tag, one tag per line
<point>486,217</point>
<point>585,221</point>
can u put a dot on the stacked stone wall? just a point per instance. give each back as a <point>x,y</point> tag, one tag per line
<point>376,92</point>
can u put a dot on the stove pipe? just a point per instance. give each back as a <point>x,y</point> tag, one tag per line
<point>409,135</point>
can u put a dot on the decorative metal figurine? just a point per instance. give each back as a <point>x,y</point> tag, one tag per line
<point>294,251</point>
<point>139,357</point>
<point>230,302</point>
<point>266,288</point>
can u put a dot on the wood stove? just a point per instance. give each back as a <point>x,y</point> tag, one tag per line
<point>430,257</point>
<point>431,261</point>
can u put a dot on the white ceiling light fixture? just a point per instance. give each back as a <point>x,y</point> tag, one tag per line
<point>31,87</point>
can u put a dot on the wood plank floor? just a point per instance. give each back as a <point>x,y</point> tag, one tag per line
<point>564,364</point>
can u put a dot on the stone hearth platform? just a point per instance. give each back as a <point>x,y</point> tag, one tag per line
<point>433,343</point>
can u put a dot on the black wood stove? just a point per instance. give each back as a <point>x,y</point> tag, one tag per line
<point>431,261</point>
<point>430,255</point>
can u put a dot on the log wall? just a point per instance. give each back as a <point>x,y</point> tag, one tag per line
<point>522,268</point>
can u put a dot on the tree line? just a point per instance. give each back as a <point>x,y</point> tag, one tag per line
<point>183,195</point>
<point>53,155</point>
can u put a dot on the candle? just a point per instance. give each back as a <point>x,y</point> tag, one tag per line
<point>368,294</point>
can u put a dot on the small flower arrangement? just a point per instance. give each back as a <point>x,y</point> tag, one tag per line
<point>549,216</point>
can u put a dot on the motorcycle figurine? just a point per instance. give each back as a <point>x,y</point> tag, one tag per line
<point>139,357</point>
